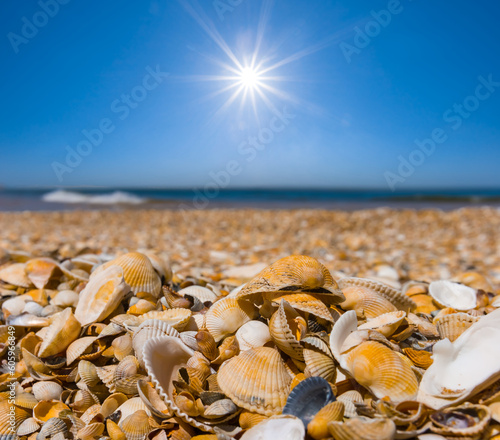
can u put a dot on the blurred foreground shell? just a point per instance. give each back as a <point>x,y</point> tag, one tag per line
<point>361,428</point>
<point>286,427</point>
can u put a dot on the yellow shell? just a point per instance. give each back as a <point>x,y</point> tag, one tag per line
<point>177,318</point>
<point>227,315</point>
<point>91,431</point>
<point>424,303</point>
<point>102,295</point>
<point>453,325</point>
<point>15,274</point>
<point>46,390</point>
<point>382,371</point>
<point>420,358</point>
<point>319,364</point>
<point>114,431</point>
<point>64,329</point>
<point>286,327</point>
<point>138,272</point>
<point>19,416</point>
<point>307,303</point>
<point>249,419</point>
<point>47,409</point>
<point>361,428</point>
<point>297,273</point>
<point>256,380</point>
<point>41,270</point>
<point>318,426</point>
<point>386,323</point>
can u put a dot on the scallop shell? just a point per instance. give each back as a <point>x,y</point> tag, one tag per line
<point>454,295</point>
<point>206,344</point>
<point>138,272</point>
<point>15,274</point>
<point>420,358</point>
<point>122,347</point>
<point>47,390</point>
<point>64,329</point>
<point>91,431</point>
<point>385,324</point>
<point>297,273</point>
<point>362,428</point>
<point>150,329</point>
<point>349,399</point>
<point>371,298</point>
<point>286,327</point>
<point>102,295</point>
<point>253,334</point>
<point>161,266</point>
<point>202,293</point>
<point>29,426</point>
<point>307,398</point>
<point>318,426</point>
<point>78,348</point>
<point>41,270</point>
<point>453,325</point>
<point>286,427</point>
<point>249,419</point>
<point>227,315</point>
<point>464,367</point>
<point>136,426</point>
<point>319,364</point>
<point>256,380</point>
<point>131,406</point>
<point>307,303</point>
<point>53,427</point>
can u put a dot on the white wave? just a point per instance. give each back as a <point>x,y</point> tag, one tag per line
<point>116,197</point>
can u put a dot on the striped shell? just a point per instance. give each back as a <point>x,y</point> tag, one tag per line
<point>307,303</point>
<point>202,293</point>
<point>386,323</point>
<point>64,329</point>
<point>286,327</point>
<point>362,428</point>
<point>453,325</point>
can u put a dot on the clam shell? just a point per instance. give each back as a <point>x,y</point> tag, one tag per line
<point>307,398</point>
<point>287,427</point>
<point>466,421</point>
<point>420,358</point>
<point>64,329</point>
<point>136,426</point>
<point>47,409</point>
<point>102,295</point>
<point>202,293</point>
<point>453,325</point>
<point>318,426</point>
<point>29,426</point>
<point>464,367</point>
<point>227,315</point>
<point>15,274</point>
<point>66,298</point>
<point>249,419</point>
<point>91,431</point>
<point>349,399</point>
<point>112,403</point>
<point>386,323</point>
<point>454,295</point>
<point>286,327</point>
<point>256,380</point>
<point>362,428</point>
<point>122,346</point>
<point>78,348</point>
<point>152,400</point>
<point>53,427</point>
<point>253,334</point>
<point>297,273</point>
<point>161,265</point>
<point>307,303</point>
<point>127,367</point>
<point>319,364</point>
<point>47,390</point>
<point>206,344</point>
<point>138,272</point>
<point>131,406</point>
<point>114,431</point>
<point>177,318</point>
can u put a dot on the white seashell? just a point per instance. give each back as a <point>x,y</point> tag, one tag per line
<point>277,427</point>
<point>253,334</point>
<point>202,293</point>
<point>66,298</point>
<point>47,390</point>
<point>454,295</point>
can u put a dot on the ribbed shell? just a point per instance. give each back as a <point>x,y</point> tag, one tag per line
<point>20,415</point>
<point>319,364</point>
<point>28,427</point>
<point>46,390</point>
<point>453,325</point>
<point>202,293</point>
<point>283,327</point>
<point>349,398</point>
<point>307,303</point>
<point>177,318</point>
<point>256,380</point>
<point>136,426</point>
<point>362,428</point>
<point>60,334</point>
<point>318,426</point>
<point>227,315</point>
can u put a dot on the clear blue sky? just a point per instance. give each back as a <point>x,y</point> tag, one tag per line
<point>358,105</point>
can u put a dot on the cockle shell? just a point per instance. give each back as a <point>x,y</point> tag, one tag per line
<point>53,428</point>
<point>79,347</point>
<point>253,334</point>
<point>464,367</point>
<point>454,295</point>
<point>161,265</point>
<point>47,390</point>
<point>227,315</point>
<point>202,293</point>
<point>64,329</point>
<point>249,419</point>
<point>136,426</point>
<point>286,427</point>
<point>29,426</point>
<point>318,426</point>
<point>18,416</point>
<point>295,273</point>
<point>138,272</point>
<point>177,318</point>
<point>256,380</point>
<point>102,295</point>
<point>362,428</point>
<point>306,303</point>
<point>453,325</point>
<point>420,358</point>
<point>152,400</point>
<point>286,327</point>
<point>122,346</point>
<point>386,323</point>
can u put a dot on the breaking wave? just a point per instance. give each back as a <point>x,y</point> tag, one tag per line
<point>113,198</point>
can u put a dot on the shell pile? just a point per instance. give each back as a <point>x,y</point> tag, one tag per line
<point>123,347</point>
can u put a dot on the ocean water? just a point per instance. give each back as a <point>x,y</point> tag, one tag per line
<point>58,199</point>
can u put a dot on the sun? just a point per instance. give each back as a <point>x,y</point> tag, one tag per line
<point>249,78</point>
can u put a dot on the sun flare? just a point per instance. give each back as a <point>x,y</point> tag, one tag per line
<point>249,78</point>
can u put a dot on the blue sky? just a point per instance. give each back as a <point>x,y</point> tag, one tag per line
<point>357,104</point>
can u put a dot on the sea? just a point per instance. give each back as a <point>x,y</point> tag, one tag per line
<point>185,199</point>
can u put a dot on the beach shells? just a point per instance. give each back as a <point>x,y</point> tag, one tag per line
<point>284,426</point>
<point>15,274</point>
<point>318,426</point>
<point>287,327</point>
<point>453,325</point>
<point>253,334</point>
<point>64,329</point>
<point>101,296</point>
<point>362,428</point>
<point>227,315</point>
<point>306,303</point>
<point>386,323</point>
<point>454,295</point>
<point>466,421</point>
<point>256,380</point>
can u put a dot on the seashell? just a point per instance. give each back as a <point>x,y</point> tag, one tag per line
<point>249,419</point>
<point>78,348</point>
<point>349,399</point>
<point>362,428</point>
<point>423,326</point>
<point>18,416</point>
<point>253,334</point>
<point>306,303</point>
<point>102,295</point>
<point>464,367</point>
<point>33,308</point>
<point>319,364</point>
<point>122,346</point>
<point>83,400</point>
<point>318,426</point>
<point>66,298</point>
<point>15,306</point>
<point>47,390</point>
<point>284,426</point>
<point>227,315</point>
<point>112,329</point>
<point>172,299</point>
<point>41,270</point>
<point>424,303</point>
<point>475,280</point>
<point>91,431</point>
<point>453,325</point>
<point>187,404</point>
<point>206,344</point>
<point>256,380</point>
<point>15,274</point>
<point>495,411</point>
<point>386,323</point>
<point>150,329</point>
<point>138,272</point>
<point>307,398</point>
<point>29,426</point>
<point>152,400</point>
<point>128,385</point>
<point>47,409</point>
<point>202,293</point>
<point>141,307</point>
<point>25,400</point>
<point>131,406</point>
<point>163,357</point>
<point>63,330</point>
<point>107,374</point>
<point>220,408</point>
<point>136,426</point>
<point>114,431</point>
<point>36,368</point>
<point>161,265</point>
<point>177,318</point>
<point>420,358</point>
<point>127,367</point>
<point>188,337</point>
<point>454,295</point>
<point>112,403</point>
<point>287,327</point>
<point>51,428</point>
<point>228,349</point>
<point>466,421</point>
